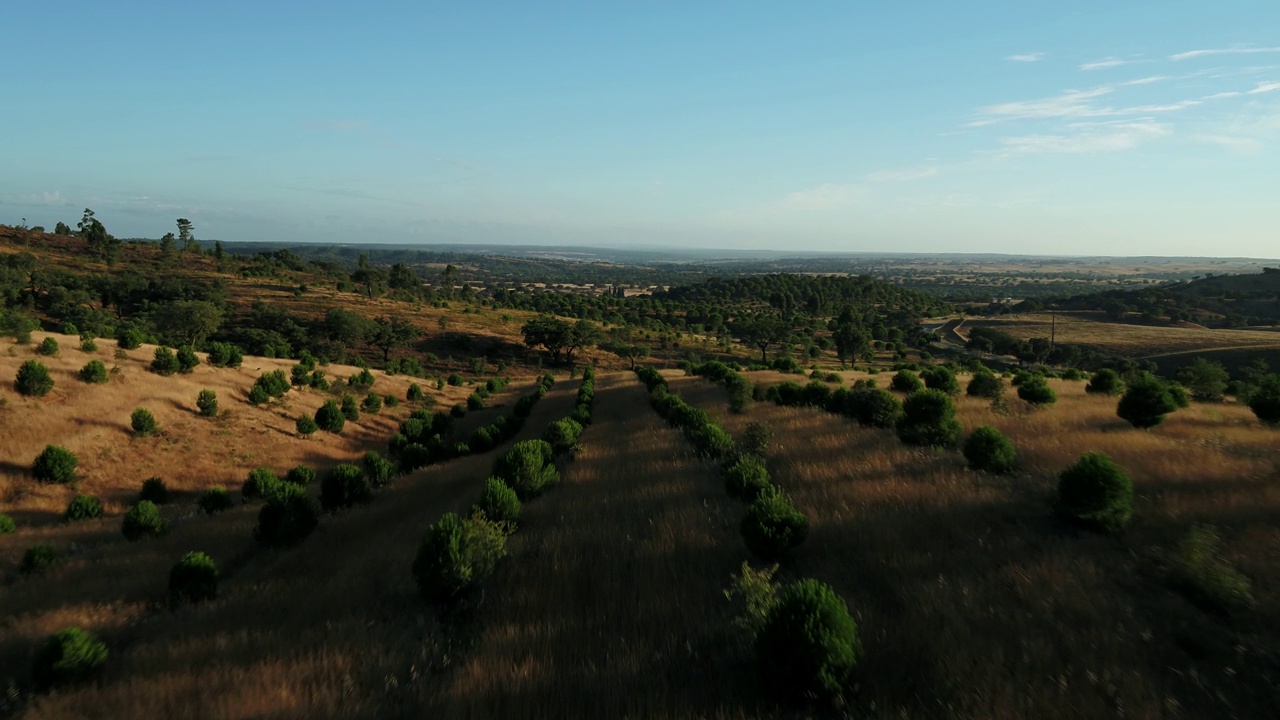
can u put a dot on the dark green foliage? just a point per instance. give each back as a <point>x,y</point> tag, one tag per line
<point>142,521</point>
<point>1146,402</point>
<point>1181,397</point>
<point>807,646</point>
<point>261,483</point>
<point>414,393</point>
<point>154,490</point>
<point>1096,492</point>
<point>33,379</point>
<point>258,396</point>
<point>306,425</point>
<point>69,656</point>
<point>456,557</point>
<point>1205,379</point>
<point>82,507</point>
<point>940,378</point>
<point>193,578</point>
<point>129,338</point>
<point>288,518</point>
<point>330,418</point>
<point>349,409</point>
<point>498,501</point>
<point>873,407</point>
<point>1105,382</point>
<point>1037,392</point>
<point>300,374</point>
<point>458,410</point>
<point>379,470</point>
<point>474,402</point>
<point>985,384</point>
<point>455,379</point>
<point>905,381</point>
<point>48,347</point>
<point>747,478</point>
<point>1265,401</point>
<point>7,526</point>
<point>362,380</point>
<point>527,468</point>
<point>38,558</point>
<point>928,418</point>
<point>563,435</point>
<point>215,500</point>
<point>225,355</point>
<point>1205,577</point>
<point>164,362</point>
<point>343,486</point>
<point>207,403</point>
<point>55,464</point>
<point>372,403</point>
<point>301,476</point>
<point>773,526</point>
<point>317,380</point>
<point>274,384</point>
<point>187,359</point>
<point>755,439</point>
<point>651,378</point>
<point>142,421</point>
<point>989,450</point>
<point>87,343</point>
<point>390,400</point>
<point>481,440</point>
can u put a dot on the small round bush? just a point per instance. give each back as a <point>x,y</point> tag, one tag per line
<point>129,338</point>
<point>905,381</point>
<point>330,418</point>
<point>1146,402</point>
<point>70,655</point>
<point>989,450</point>
<point>48,347</point>
<point>1265,401</point>
<point>498,501</point>
<point>207,403</point>
<point>1037,392</point>
<point>88,344</point>
<point>215,500</point>
<point>343,486</point>
<point>187,359</point>
<point>301,476</point>
<point>306,425</point>
<point>55,464</point>
<point>747,478</point>
<point>261,483</point>
<point>456,556</point>
<point>288,518</point>
<point>527,468</point>
<point>940,378</point>
<point>390,401</point>
<point>7,525</point>
<point>142,421</point>
<point>874,407</point>
<point>808,644</point>
<point>83,507</point>
<point>928,418</point>
<point>142,521</point>
<point>773,526</point>
<point>414,394</point>
<point>193,578</point>
<point>1181,398</point>
<point>258,395</point>
<point>349,409</point>
<point>985,385</point>
<point>154,489</point>
<point>94,372</point>
<point>563,435</point>
<point>458,410</point>
<point>455,379</point>
<point>164,362</point>
<point>1105,382</point>
<point>38,558</point>
<point>755,439</point>
<point>33,379</point>
<point>1096,492</point>
<point>379,470</point>
<point>372,403</point>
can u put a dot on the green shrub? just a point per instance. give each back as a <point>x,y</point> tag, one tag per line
<point>215,500</point>
<point>129,338</point>
<point>207,403</point>
<point>456,557</point>
<point>372,403</point>
<point>940,378</point>
<point>193,578</point>
<point>274,384</point>
<point>747,478</point>
<point>306,425</point>
<point>874,407</point>
<point>33,379</point>
<point>905,381</point>
<point>1105,382</point>
<point>474,402</point>
<point>527,468</point>
<point>563,435</point>
<point>1037,392</point>
<point>94,372</point>
<point>1205,577</point>
<point>343,486</point>
<point>142,421</point>
<point>390,400</point>
<point>928,418</point>
<point>379,470</point>
<point>989,450</point>
<point>143,520</point>
<point>773,526</point>
<point>455,379</point>
<point>808,645</point>
<point>55,464</point>
<point>498,502</point>
<point>38,558</point>
<point>985,385</point>
<point>318,381</point>
<point>258,395</point>
<point>349,409</point>
<point>225,355</point>
<point>1146,402</point>
<point>155,490</point>
<point>48,347</point>
<point>288,518</point>
<point>458,410</point>
<point>414,393</point>
<point>330,418</point>
<point>1181,398</point>
<point>362,380</point>
<point>261,483</point>
<point>164,362</point>
<point>7,526</point>
<point>301,476</point>
<point>69,656</point>
<point>187,359</point>
<point>755,439</point>
<point>83,507</point>
<point>87,343</point>
<point>1265,401</point>
<point>1096,492</point>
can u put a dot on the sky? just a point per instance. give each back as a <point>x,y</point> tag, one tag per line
<point>1083,128</point>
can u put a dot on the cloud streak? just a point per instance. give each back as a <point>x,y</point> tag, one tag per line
<point>1265,87</point>
<point>1114,138</point>
<point>1223,51</point>
<point>1027,57</point>
<point>1104,64</point>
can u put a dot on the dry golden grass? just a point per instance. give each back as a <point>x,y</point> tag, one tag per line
<point>1085,330</point>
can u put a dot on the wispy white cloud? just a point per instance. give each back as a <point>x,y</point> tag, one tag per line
<point>1104,64</point>
<point>1223,51</point>
<point>1114,138</point>
<point>1027,57</point>
<point>1143,81</point>
<point>1221,95</point>
<point>1265,87</point>
<point>897,176</point>
<point>823,197</point>
<point>1076,104</point>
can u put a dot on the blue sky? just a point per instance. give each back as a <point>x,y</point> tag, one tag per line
<point>1082,128</point>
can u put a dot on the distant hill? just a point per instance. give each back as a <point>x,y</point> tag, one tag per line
<point>1212,301</point>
